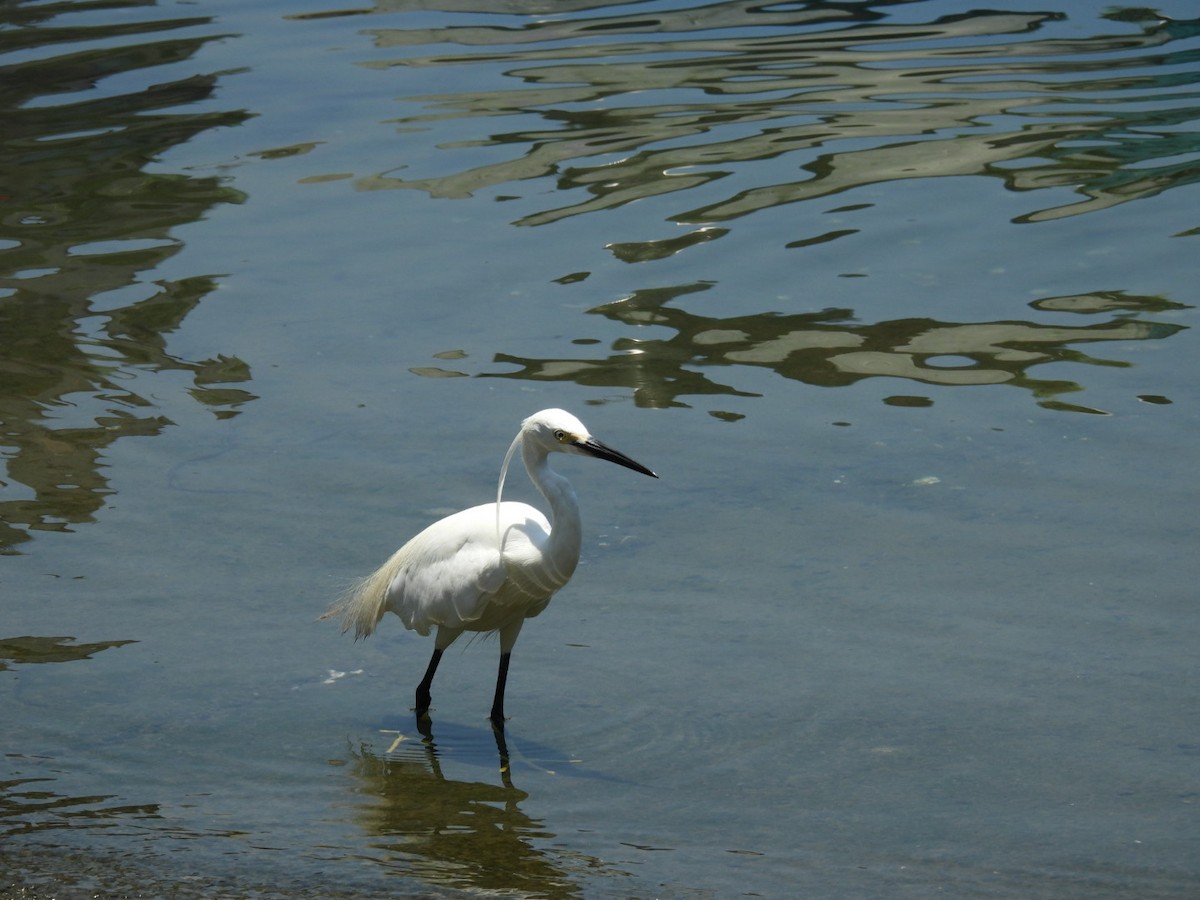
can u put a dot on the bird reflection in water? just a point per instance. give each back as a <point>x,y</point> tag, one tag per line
<point>458,834</point>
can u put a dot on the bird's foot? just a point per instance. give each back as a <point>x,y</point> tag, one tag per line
<point>425,725</point>
<point>423,700</point>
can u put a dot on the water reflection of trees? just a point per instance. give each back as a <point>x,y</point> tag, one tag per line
<point>467,835</point>
<point>28,648</point>
<point>830,348</point>
<point>649,102</point>
<point>78,229</point>
<point>27,806</point>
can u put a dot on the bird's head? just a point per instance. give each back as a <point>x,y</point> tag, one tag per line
<point>557,431</point>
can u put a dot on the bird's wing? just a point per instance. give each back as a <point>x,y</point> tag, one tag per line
<point>450,572</point>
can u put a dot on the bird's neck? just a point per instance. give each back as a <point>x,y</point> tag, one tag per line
<point>565,527</point>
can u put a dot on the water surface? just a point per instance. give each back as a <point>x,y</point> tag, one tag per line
<point>897,298</point>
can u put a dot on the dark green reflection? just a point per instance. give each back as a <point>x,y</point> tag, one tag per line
<point>832,349</point>
<point>34,649</point>
<point>27,806</point>
<point>637,103</point>
<point>465,835</point>
<point>81,225</point>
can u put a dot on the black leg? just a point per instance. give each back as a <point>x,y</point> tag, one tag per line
<point>425,727</point>
<point>423,687</point>
<point>498,701</point>
<point>502,750</point>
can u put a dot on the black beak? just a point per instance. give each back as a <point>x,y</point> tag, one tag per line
<point>601,451</point>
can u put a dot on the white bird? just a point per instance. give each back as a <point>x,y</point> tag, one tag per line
<point>490,567</point>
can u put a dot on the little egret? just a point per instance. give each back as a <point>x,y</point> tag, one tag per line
<point>490,567</point>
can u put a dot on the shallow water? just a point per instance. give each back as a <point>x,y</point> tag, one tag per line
<point>897,299</point>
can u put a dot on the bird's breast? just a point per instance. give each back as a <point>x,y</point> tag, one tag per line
<point>538,559</point>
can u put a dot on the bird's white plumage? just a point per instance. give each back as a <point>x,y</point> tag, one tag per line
<point>490,567</point>
<point>453,573</point>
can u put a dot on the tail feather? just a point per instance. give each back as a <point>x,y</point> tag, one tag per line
<point>363,604</point>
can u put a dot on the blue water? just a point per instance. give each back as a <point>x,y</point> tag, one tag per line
<point>897,298</point>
